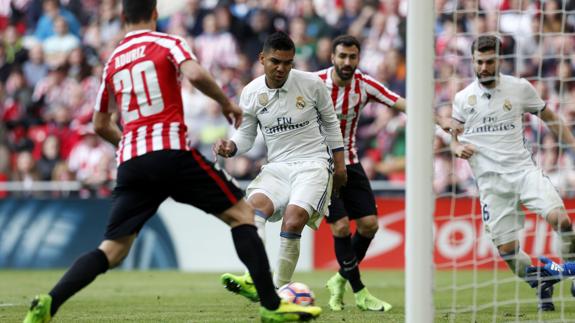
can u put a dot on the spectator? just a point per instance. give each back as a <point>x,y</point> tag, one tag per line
<point>34,68</point>
<point>51,9</point>
<point>26,172</point>
<point>190,19</point>
<point>322,56</point>
<point>215,49</point>
<point>317,27</point>
<point>53,89</point>
<point>5,67</point>
<point>15,53</point>
<point>109,21</point>
<point>60,44</point>
<point>92,160</point>
<point>49,158</point>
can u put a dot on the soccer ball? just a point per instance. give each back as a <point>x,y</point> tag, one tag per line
<point>297,293</point>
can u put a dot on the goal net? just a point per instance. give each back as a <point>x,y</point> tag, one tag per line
<point>472,283</point>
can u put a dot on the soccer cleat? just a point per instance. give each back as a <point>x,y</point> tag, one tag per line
<point>543,280</point>
<point>289,312</point>
<point>545,295</point>
<point>39,311</point>
<point>336,287</point>
<point>242,285</point>
<point>367,302</point>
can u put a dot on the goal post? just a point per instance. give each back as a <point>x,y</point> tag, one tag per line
<point>420,200</point>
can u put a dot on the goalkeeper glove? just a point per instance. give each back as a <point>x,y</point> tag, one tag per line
<point>551,268</point>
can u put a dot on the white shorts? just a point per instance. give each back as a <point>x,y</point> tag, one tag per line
<point>306,184</point>
<point>502,195</point>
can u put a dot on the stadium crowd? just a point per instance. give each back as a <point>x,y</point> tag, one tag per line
<point>52,53</point>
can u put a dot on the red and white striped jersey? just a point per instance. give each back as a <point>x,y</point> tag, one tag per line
<point>350,99</point>
<point>142,77</point>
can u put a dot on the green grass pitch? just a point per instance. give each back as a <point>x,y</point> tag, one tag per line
<point>191,297</point>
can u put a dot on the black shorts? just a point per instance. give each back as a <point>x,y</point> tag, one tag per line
<point>355,198</point>
<point>145,182</point>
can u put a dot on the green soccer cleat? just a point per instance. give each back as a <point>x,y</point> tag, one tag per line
<point>336,287</point>
<point>242,285</point>
<point>367,302</point>
<point>39,311</point>
<point>289,312</point>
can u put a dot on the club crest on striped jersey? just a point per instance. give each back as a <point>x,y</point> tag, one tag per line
<point>300,102</point>
<point>263,99</point>
<point>507,105</point>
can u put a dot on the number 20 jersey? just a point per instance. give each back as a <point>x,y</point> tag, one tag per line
<point>142,77</point>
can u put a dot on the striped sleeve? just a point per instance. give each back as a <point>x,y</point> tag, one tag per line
<point>378,92</point>
<point>104,99</point>
<point>181,51</point>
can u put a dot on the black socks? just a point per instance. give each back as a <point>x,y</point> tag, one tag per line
<point>82,272</point>
<point>348,262</point>
<point>252,253</point>
<point>360,244</point>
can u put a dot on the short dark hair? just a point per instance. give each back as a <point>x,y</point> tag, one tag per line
<point>346,41</point>
<point>486,43</point>
<point>136,11</point>
<point>278,41</point>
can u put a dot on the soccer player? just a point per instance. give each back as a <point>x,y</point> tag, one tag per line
<point>305,147</point>
<point>351,90</point>
<point>491,111</point>
<point>141,81</point>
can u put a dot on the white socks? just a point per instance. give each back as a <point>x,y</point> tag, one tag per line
<point>260,223</point>
<point>567,245</point>
<point>288,257</point>
<point>517,261</point>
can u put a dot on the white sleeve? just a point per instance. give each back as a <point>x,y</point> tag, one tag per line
<point>328,118</point>
<point>531,101</point>
<point>457,109</point>
<point>246,134</point>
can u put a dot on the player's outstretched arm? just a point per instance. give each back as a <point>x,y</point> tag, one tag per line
<point>445,123</point>
<point>558,127</point>
<point>204,82</point>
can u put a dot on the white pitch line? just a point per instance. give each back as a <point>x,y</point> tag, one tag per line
<point>8,305</point>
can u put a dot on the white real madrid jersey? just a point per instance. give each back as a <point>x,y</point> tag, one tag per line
<point>298,121</point>
<point>493,122</point>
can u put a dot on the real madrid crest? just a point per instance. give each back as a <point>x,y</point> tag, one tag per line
<point>263,99</point>
<point>300,102</point>
<point>472,100</point>
<point>507,105</point>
